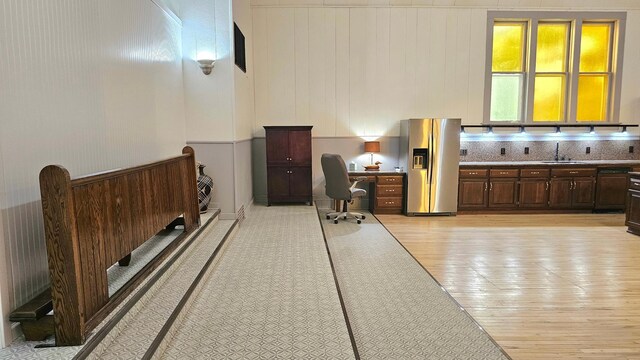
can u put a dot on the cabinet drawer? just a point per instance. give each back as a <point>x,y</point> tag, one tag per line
<point>389,190</point>
<point>473,173</point>
<point>369,178</point>
<point>534,173</point>
<point>504,173</point>
<point>634,183</point>
<point>572,172</point>
<point>390,180</point>
<point>389,203</point>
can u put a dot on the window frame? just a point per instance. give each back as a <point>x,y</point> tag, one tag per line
<point>575,19</point>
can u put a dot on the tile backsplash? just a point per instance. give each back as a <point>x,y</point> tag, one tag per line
<point>545,150</point>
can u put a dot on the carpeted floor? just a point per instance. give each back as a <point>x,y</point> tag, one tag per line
<point>395,308</point>
<point>271,296</point>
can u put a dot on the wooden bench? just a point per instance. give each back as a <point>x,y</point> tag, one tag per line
<point>94,221</point>
<point>34,317</point>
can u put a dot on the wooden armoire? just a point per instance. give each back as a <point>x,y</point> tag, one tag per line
<point>289,164</point>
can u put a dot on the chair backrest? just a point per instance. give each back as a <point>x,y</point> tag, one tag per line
<point>336,177</point>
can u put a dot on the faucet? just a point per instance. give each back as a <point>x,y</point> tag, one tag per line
<point>555,158</point>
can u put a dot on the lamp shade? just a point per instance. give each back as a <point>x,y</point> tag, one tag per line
<point>372,146</point>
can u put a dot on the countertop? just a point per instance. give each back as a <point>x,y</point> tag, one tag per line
<point>375,172</point>
<point>577,163</point>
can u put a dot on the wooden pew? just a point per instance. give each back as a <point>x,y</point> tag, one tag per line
<point>92,222</point>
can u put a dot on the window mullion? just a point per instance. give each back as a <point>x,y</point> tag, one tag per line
<point>530,71</point>
<point>574,71</point>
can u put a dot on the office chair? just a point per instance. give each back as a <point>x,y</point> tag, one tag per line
<point>338,186</point>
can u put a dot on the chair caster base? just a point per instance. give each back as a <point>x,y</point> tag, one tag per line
<point>359,221</point>
<point>335,221</point>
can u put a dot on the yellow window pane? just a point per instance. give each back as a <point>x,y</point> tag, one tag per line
<point>592,97</point>
<point>594,48</point>
<point>508,47</point>
<point>551,54</point>
<point>548,98</point>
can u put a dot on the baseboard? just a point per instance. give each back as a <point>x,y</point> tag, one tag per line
<point>227,216</point>
<point>16,332</point>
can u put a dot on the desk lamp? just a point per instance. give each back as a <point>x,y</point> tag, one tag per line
<point>372,147</point>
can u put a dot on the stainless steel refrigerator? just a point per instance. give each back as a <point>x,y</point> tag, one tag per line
<point>430,151</point>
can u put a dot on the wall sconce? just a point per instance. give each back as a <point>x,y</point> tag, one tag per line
<point>206,65</point>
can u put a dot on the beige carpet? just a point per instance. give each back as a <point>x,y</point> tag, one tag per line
<point>395,308</point>
<point>271,296</point>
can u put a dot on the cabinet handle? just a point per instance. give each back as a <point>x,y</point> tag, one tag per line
<point>490,186</point>
<point>503,173</point>
<point>635,183</point>
<point>535,172</point>
<point>547,188</point>
<point>485,186</point>
<point>473,173</point>
<point>573,172</point>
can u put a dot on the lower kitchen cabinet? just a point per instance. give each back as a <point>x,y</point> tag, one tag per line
<point>583,193</point>
<point>555,188</point>
<point>633,205</point>
<point>503,193</point>
<point>560,193</point>
<point>473,194</point>
<point>534,193</point>
<point>611,191</point>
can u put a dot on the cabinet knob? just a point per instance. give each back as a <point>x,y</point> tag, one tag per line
<point>573,172</point>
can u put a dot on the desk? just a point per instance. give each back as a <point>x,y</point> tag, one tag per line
<point>386,190</point>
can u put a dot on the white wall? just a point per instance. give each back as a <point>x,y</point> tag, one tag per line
<point>5,333</point>
<point>354,68</point>
<point>219,107</point>
<point>91,85</point>
<point>207,30</point>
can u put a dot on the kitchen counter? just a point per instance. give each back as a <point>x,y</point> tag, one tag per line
<point>578,163</point>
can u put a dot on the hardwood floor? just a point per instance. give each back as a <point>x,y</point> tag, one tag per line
<point>543,286</point>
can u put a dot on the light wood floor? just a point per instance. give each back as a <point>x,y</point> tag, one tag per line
<point>543,286</point>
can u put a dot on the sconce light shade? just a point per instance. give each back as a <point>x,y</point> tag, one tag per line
<point>372,146</point>
<point>206,65</point>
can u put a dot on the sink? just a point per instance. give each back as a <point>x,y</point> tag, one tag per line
<point>563,162</point>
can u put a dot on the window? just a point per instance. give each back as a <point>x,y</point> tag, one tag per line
<point>553,67</point>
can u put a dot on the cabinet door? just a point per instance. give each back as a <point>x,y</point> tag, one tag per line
<point>560,192</point>
<point>534,193</point>
<point>300,181</point>
<point>300,147</point>
<point>583,194</point>
<point>472,194</point>
<point>503,193</point>
<point>633,210</point>
<point>611,191</point>
<point>278,181</point>
<point>277,147</point>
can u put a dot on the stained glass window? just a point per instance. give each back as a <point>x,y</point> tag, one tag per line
<point>548,98</point>
<point>541,77</point>
<point>508,47</point>
<point>593,81</point>
<point>551,72</point>
<point>507,81</point>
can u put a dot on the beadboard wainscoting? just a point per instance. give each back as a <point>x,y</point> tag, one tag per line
<point>90,85</point>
